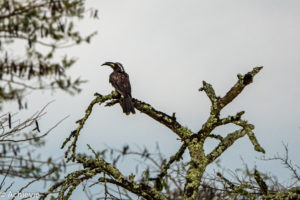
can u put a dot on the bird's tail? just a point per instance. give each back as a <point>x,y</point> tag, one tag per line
<point>127,105</point>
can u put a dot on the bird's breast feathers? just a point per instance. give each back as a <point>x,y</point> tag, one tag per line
<point>120,81</point>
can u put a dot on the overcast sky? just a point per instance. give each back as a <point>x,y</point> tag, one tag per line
<point>167,48</point>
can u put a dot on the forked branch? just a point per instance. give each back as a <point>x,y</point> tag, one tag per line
<point>192,141</point>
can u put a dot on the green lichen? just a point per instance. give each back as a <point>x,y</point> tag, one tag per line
<point>192,141</point>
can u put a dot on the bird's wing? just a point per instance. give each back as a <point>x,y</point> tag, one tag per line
<point>120,81</point>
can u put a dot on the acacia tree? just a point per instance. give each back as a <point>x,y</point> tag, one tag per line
<point>152,185</point>
<point>30,33</point>
<point>35,25</point>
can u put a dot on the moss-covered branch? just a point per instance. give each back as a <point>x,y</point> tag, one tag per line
<point>95,166</point>
<point>232,137</point>
<point>249,130</point>
<point>169,121</point>
<point>194,142</point>
<point>210,92</point>
<point>75,133</point>
<point>243,81</point>
<point>135,190</point>
<point>225,144</point>
<point>199,161</point>
<point>141,189</point>
<point>291,194</point>
<point>261,183</point>
<point>230,119</point>
<point>69,184</point>
<point>244,190</point>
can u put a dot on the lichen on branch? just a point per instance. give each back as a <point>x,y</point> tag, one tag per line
<point>193,142</point>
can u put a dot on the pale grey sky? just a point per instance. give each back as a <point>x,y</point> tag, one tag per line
<point>168,47</point>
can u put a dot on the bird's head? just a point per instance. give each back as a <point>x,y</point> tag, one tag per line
<point>115,66</point>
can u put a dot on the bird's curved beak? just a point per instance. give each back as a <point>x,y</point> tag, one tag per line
<point>111,64</point>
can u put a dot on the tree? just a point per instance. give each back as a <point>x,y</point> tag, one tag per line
<point>242,183</point>
<point>19,139</point>
<point>34,30</point>
<point>48,23</point>
<point>153,185</point>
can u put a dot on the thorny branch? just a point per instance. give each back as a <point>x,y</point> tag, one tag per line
<point>16,140</point>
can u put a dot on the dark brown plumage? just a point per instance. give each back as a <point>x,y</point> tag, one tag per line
<point>120,81</point>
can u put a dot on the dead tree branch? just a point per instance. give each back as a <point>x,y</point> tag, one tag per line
<point>193,141</point>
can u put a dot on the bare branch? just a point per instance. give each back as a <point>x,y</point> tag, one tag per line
<point>242,82</point>
<point>36,137</point>
<point>239,190</point>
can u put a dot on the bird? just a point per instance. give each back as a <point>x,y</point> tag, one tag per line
<point>120,81</point>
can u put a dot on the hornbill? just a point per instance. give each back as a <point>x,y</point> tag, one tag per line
<point>120,81</point>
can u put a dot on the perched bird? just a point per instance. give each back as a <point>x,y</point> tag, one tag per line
<point>120,81</point>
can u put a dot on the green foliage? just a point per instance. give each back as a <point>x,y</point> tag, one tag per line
<point>48,23</point>
<point>30,33</point>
